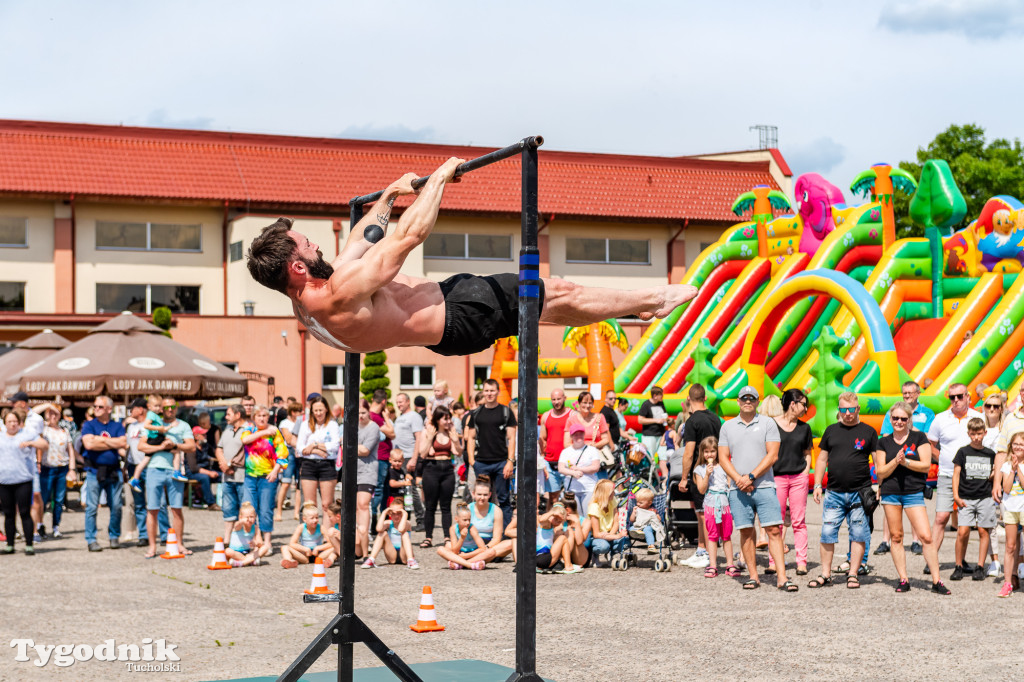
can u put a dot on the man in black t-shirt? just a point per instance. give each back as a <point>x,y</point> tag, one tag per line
<point>701,424</point>
<point>845,449</point>
<point>653,418</point>
<point>490,433</point>
<point>973,467</point>
<point>610,416</point>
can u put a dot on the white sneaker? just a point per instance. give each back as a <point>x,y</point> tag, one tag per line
<point>993,570</point>
<point>698,560</point>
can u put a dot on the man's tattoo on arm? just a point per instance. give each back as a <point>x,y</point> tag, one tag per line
<point>385,216</point>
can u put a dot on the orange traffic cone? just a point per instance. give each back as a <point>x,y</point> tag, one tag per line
<point>427,622</point>
<point>220,560</point>
<point>172,547</point>
<point>319,583</point>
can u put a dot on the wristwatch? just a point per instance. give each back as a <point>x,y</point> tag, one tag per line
<point>751,477</point>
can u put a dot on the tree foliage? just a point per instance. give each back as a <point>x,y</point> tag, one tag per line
<point>981,170</point>
<point>374,374</point>
<point>162,317</point>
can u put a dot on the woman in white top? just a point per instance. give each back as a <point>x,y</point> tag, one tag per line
<point>57,466</point>
<point>317,446</point>
<point>17,470</point>
<point>579,464</point>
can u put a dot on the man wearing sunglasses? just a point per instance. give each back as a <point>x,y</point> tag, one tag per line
<point>845,449</point>
<point>922,421</point>
<point>747,448</point>
<point>948,433</point>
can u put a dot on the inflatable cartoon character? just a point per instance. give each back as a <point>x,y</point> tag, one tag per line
<point>816,196</point>
<point>1001,249</point>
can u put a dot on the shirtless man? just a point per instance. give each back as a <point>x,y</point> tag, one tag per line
<point>361,302</point>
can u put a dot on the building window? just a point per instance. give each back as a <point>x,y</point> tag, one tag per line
<point>12,297</point>
<point>468,246</point>
<point>13,231</point>
<point>579,383</point>
<point>416,376</point>
<point>631,251</point>
<point>704,246</point>
<point>143,298</point>
<point>232,365</point>
<point>235,251</point>
<point>332,376</point>
<point>480,374</point>
<point>149,236</point>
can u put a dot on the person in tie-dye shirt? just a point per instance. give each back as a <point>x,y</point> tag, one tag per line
<point>266,455</point>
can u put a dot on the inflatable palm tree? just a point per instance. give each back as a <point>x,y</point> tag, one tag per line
<point>598,340</point>
<point>762,199</point>
<point>880,182</point>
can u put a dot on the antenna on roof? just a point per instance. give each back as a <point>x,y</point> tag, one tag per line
<point>768,136</point>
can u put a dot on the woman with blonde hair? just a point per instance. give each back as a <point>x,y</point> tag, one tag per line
<point>603,513</point>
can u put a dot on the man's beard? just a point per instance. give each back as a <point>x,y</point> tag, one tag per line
<point>319,268</point>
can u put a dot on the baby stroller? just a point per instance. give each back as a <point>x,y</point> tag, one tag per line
<point>626,498</point>
<point>682,515</point>
<point>636,464</point>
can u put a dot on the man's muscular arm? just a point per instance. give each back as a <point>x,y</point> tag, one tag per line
<point>360,279</point>
<point>380,216</point>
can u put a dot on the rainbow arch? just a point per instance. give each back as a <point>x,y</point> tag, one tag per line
<point>854,297</point>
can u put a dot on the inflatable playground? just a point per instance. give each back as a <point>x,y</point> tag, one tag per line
<point>820,295</point>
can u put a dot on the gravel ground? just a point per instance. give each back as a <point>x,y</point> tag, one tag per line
<point>598,625</point>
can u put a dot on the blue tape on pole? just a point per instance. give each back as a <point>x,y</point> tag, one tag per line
<point>529,291</point>
<point>529,275</point>
<point>529,259</point>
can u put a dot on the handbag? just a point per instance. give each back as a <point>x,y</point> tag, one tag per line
<point>869,501</point>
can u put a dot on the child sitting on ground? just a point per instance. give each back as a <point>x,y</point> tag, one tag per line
<point>393,536</point>
<point>307,542</point>
<point>644,518</point>
<point>244,548</point>
<point>333,532</point>
<point>554,552</point>
<point>713,483</point>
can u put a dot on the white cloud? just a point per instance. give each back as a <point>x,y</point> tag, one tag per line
<point>975,19</point>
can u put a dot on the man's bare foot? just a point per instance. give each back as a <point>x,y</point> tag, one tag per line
<point>674,296</point>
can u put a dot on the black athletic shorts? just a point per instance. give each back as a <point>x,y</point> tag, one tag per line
<point>317,470</point>
<point>478,311</point>
<point>695,495</point>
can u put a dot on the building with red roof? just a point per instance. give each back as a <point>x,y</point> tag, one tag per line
<point>95,218</point>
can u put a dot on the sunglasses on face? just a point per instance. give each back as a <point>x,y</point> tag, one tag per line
<point>848,410</point>
<point>899,420</point>
<point>748,399</point>
<point>993,407</point>
<point>957,396</point>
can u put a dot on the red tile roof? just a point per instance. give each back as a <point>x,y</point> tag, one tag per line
<point>90,161</point>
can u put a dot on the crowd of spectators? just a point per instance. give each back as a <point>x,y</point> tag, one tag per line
<point>417,458</point>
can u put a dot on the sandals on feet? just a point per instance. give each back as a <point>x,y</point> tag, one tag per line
<point>751,585</point>
<point>426,544</point>
<point>454,566</point>
<point>789,586</point>
<point>843,567</point>
<point>852,582</point>
<point>710,572</point>
<point>732,571</point>
<point>801,570</point>
<point>770,570</point>
<point>820,581</point>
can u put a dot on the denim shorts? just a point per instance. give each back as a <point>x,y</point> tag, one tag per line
<point>231,499</point>
<point>837,507</point>
<point>905,501</point>
<point>764,502</point>
<point>288,475</point>
<point>555,480</point>
<point>158,480</point>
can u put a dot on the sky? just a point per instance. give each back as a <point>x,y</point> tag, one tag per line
<point>847,84</point>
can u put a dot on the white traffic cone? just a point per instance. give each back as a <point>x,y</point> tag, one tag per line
<point>427,621</point>
<point>172,547</point>
<point>220,560</point>
<point>319,583</point>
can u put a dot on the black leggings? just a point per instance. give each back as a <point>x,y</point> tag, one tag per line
<point>438,486</point>
<point>19,495</point>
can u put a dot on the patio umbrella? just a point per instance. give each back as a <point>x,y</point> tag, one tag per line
<point>126,356</point>
<point>29,352</point>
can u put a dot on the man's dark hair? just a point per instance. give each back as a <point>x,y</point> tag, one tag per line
<point>239,409</point>
<point>492,382</point>
<point>269,255</point>
<point>697,393</point>
<point>657,390</point>
<point>380,396</point>
<point>248,397</point>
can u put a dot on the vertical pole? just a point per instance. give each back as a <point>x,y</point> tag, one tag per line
<point>350,456</point>
<point>526,480</point>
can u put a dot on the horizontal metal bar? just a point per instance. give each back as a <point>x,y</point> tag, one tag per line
<point>471,165</point>
<point>320,598</point>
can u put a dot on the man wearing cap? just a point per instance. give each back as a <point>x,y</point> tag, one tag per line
<point>578,465</point>
<point>33,422</point>
<point>747,448</point>
<point>102,437</point>
<point>420,405</point>
<point>135,433</point>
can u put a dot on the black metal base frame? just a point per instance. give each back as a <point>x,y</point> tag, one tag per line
<point>346,628</point>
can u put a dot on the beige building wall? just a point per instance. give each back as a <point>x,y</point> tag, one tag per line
<point>95,266</point>
<point>616,276</point>
<point>33,264</point>
<point>242,287</point>
<point>438,269</point>
<point>696,235</point>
